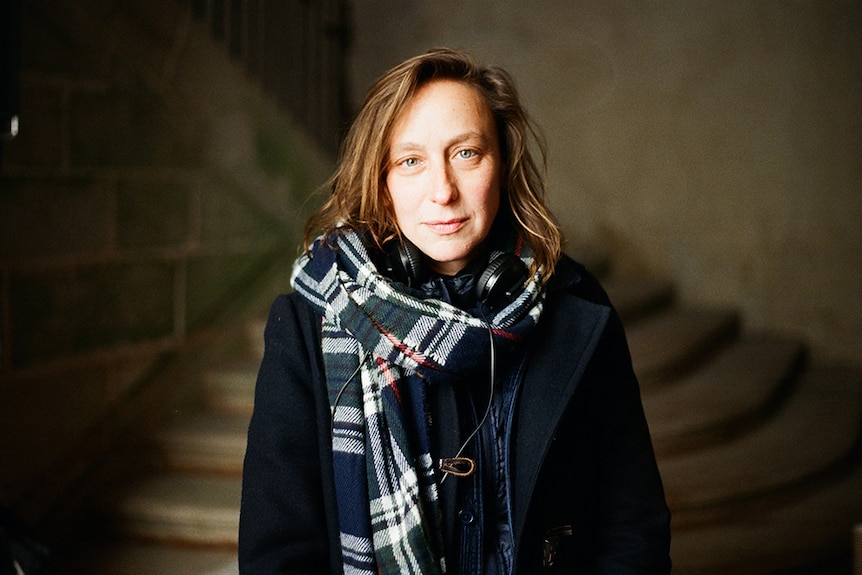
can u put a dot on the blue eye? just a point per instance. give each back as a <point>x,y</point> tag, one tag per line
<point>410,162</point>
<point>466,154</point>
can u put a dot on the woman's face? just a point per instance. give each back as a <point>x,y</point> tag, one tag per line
<point>444,172</point>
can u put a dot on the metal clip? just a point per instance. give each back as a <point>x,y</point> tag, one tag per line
<point>552,541</point>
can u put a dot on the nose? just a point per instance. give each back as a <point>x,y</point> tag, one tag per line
<point>444,187</point>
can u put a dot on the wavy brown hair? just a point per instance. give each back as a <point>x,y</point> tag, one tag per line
<point>359,198</point>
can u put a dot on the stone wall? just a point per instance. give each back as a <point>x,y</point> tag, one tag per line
<point>716,144</point>
<point>153,193</point>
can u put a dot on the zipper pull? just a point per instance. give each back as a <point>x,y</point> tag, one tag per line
<point>458,466</point>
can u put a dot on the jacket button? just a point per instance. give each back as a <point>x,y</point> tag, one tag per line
<point>466,516</point>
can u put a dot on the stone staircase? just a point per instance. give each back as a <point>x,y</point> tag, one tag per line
<point>180,516</point>
<point>759,451</point>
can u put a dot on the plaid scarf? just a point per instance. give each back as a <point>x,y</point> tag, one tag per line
<point>381,348</point>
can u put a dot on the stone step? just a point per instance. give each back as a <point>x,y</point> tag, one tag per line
<point>148,558</point>
<point>208,441</point>
<point>667,344</point>
<point>634,297</point>
<point>254,338</point>
<point>805,532</point>
<point>815,434</point>
<point>732,391</point>
<point>179,508</point>
<point>231,389</point>
<point>802,527</point>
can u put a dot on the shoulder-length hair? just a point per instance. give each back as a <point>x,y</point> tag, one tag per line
<point>359,198</point>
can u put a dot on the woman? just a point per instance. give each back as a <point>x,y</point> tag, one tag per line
<point>444,392</point>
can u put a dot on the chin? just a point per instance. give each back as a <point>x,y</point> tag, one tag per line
<point>449,261</point>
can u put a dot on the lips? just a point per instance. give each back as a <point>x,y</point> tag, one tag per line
<point>448,226</point>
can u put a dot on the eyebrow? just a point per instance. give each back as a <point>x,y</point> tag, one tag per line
<point>400,147</point>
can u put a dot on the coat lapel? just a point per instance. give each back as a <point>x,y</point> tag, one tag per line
<point>565,340</point>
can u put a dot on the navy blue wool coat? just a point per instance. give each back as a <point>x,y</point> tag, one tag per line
<point>581,450</point>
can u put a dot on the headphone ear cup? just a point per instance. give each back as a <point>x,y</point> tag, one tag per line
<point>404,263</point>
<point>503,276</point>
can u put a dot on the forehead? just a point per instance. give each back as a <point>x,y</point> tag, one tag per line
<point>443,103</point>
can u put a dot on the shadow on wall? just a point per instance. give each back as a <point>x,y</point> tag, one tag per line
<point>154,193</point>
<point>716,143</point>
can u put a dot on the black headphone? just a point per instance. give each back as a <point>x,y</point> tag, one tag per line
<point>496,285</point>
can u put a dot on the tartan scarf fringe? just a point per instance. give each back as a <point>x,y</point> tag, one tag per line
<point>381,348</point>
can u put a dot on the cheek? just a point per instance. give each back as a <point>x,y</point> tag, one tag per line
<point>491,198</point>
<point>397,201</point>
